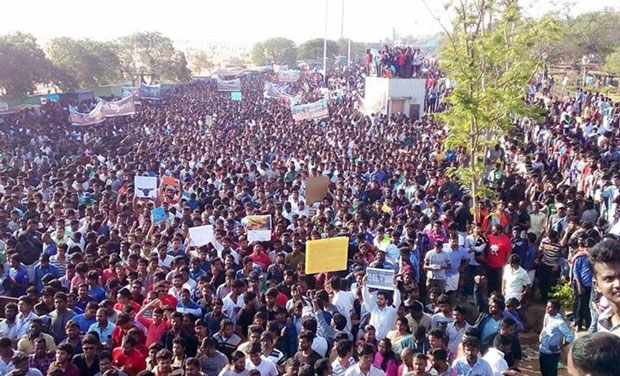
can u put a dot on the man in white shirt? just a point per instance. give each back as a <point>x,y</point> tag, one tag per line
<point>364,366</point>
<point>495,354</point>
<point>382,316</point>
<point>515,280</point>
<point>259,362</point>
<point>343,300</point>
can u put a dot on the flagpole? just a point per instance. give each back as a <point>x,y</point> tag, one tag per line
<point>325,44</point>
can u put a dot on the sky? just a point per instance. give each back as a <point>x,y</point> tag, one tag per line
<point>240,21</point>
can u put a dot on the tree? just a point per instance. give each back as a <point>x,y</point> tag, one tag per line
<point>153,54</point>
<point>23,64</point>
<point>612,63</point>
<point>487,53</point>
<point>593,33</point>
<point>313,49</point>
<point>92,63</point>
<point>275,51</point>
<point>201,61</point>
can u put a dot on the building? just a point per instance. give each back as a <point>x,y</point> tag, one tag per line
<point>395,95</point>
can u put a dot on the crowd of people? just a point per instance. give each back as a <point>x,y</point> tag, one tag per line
<point>94,286</point>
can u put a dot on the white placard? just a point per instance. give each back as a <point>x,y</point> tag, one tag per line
<point>145,186</point>
<point>380,278</point>
<point>259,228</point>
<point>201,235</point>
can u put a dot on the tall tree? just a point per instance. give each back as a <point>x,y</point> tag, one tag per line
<point>23,64</point>
<point>612,63</point>
<point>275,51</point>
<point>313,49</point>
<point>153,54</point>
<point>201,61</point>
<point>488,54</point>
<point>92,63</point>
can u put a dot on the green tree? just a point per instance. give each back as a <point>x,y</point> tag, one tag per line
<point>592,33</point>
<point>612,63</point>
<point>275,51</point>
<point>201,61</point>
<point>488,54</point>
<point>358,49</point>
<point>92,63</point>
<point>313,49</point>
<point>153,54</point>
<point>23,64</point>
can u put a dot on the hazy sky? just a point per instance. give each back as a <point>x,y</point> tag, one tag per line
<point>237,21</point>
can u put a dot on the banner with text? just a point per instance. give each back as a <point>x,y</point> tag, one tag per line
<point>122,107</point>
<point>316,110</point>
<point>93,117</point>
<point>150,91</point>
<point>290,75</point>
<point>231,85</point>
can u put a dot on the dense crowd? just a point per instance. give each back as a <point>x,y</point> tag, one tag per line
<point>99,289</point>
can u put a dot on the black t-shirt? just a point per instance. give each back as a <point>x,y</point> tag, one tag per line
<point>309,360</point>
<point>462,217</point>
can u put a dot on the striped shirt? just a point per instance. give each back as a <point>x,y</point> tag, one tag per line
<point>338,369</point>
<point>551,253</point>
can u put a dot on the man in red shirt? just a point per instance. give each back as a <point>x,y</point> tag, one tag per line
<point>499,251</point>
<point>157,326</point>
<point>127,358</point>
<point>260,257</point>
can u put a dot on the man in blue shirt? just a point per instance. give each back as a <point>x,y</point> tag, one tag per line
<point>555,330</point>
<point>86,319</point>
<point>471,363</point>
<point>582,285</point>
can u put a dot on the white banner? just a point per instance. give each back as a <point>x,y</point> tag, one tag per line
<point>145,186</point>
<point>316,110</point>
<point>231,85</point>
<point>380,278</point>
<point>93,117</point>
<point>290,75</point>
<point>121,107</point>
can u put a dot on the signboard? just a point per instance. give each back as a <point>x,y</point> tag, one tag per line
<point>231,85</point>
<point>316,188</point>
<point>93,117</point>
<point>290,75</point>
<point>236,96</point>
<point>4,107</point>
<point>145,186</point>
<point>169,181</point>
<point>259,228</point>
<point>158,215</point>
<point>121,107</point>
<point>150,91</point>
<point>326,255</point>
<point>380,278</point>
<point>201,235</point>
<point>316,110</point>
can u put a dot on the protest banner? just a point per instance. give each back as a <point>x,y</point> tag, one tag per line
<point>259,228</point>
<point>380,278</point>
<point>145,186</point>
<point>230,85</point>
<point>93,117</point>
<point>150,91</point>
<point>127,91</point>
<point>236,96</point>
<point>121,107</point>
<point>316,188</point>
<point>326,255</point>
<point>169,181</point>
<point>158,215</point>
<point>201,235</point>
<point>316,110</point>
<point>289,75</point>
<point>374,101</point>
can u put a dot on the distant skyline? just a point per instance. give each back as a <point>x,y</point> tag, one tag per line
<point>196,22</point>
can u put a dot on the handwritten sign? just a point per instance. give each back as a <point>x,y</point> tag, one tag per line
<point>316,188</point>
<point>201,235</point>
<point>380,278</point>
<point>326,255</point>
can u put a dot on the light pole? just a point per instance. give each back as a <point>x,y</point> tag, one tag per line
<point>585,61</point>
<point>325,43</point>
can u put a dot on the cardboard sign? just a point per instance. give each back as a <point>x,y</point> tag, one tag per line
<point>169,181</point>
<point>326,255</point>
<point>201,235</point>
<point>158,215</point>
<point>380,278</point>
<point>259,228</point>
<point>236,96</point>
<point>145,186</point>
<point>316,188</point>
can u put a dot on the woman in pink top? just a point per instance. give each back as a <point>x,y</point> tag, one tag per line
<point>386,359</point>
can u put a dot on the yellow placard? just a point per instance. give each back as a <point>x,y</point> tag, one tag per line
<point>326,255</point>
